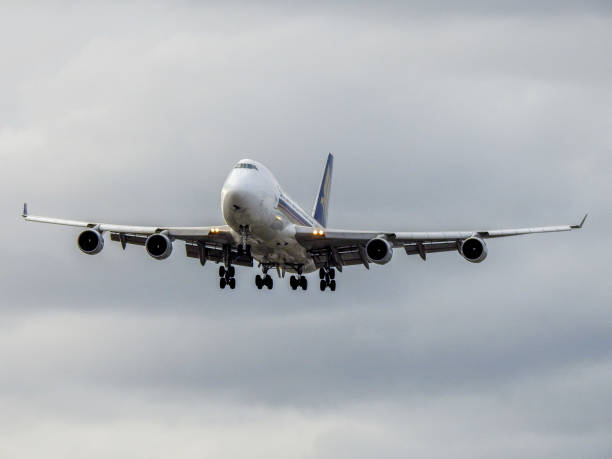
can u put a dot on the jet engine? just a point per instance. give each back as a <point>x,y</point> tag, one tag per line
<point>379,251</point>
<point>90,242</point>
<point>473,249</point>
<point>159,246</point>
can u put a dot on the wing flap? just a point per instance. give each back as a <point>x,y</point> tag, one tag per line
<point>215,253</point>
<point>424,248</point>
<point>135,239</point>
<point>338,256</point>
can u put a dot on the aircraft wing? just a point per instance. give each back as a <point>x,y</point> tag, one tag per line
<point>203,242</point>
<point>348,247</point>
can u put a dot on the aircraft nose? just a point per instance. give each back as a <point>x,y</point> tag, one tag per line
<point>236,200</point>
<point>239,206</point>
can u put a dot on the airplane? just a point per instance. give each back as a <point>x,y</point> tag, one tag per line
<point>264,225</point>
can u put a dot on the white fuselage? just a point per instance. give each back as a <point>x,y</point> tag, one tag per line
<point>252,197</point>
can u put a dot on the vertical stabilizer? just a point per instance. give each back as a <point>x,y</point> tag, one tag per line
<point>322,202</point>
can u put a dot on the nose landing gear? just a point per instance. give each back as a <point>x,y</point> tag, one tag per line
<point>328,278</point>
<point>244,248</point>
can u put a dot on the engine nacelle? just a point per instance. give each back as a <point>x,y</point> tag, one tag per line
<point>90,242</point>
<point>379,251</point>
<point>159,246</point>
<point>473,249</point>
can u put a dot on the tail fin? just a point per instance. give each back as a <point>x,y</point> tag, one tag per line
<point>321,204</point>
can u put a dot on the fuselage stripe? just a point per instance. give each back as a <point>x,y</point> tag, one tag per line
<point>284,205</point>
<point>293,214</point>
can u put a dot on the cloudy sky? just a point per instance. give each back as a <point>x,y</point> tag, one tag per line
<point>485,115</point>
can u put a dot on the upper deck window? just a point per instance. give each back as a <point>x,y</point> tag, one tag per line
<point>245,166</point>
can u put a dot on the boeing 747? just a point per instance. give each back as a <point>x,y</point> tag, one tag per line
<point>264,225</point>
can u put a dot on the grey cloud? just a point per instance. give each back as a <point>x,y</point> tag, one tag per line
<point>441,117</point>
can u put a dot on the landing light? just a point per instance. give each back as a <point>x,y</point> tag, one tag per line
<point>318,232</point>
<point>215,230</point>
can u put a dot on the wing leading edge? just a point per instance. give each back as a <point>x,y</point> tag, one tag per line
<point>179,232</point>
<point>347,247</point>
<point>214,243</point>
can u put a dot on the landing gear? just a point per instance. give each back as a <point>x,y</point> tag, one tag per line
<point>327,276</point>
<point>299,281</point>
<point>226,276</point>
<point>266,280</point>
<point>243,248</point>
<point>228,273</point>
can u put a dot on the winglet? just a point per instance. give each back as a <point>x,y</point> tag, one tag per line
<point>25,210</point>
<point>581,223</point>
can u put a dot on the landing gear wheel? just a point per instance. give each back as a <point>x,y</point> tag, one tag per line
<point>332,273</point>
<point>226,276</point>
<point>259,282</point>
<point>323,284</point>
<point>303,283</point>
<point>293,282</point>
<point>332,285</point>
<point>321,273</point>
<point>269,282</point>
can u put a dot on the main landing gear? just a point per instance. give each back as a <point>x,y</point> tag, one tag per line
<point>227,276</point>
<point>266,280</point>
<point>327,276</point>
<point>299,281</point>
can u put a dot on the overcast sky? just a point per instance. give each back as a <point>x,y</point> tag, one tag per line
<point>486,115</point>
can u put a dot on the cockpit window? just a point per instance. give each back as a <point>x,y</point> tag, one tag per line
<point>245,166</point>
